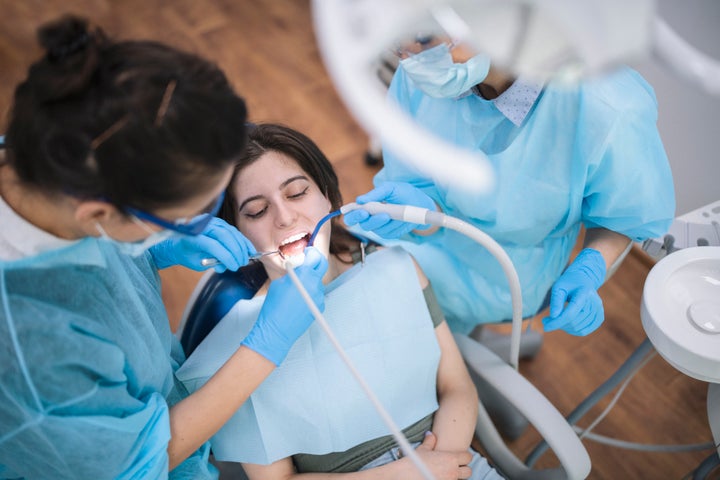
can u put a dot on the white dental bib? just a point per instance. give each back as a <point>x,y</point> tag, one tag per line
<point>311,403</point>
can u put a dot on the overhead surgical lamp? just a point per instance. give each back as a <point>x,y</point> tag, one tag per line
<point>563,40</point>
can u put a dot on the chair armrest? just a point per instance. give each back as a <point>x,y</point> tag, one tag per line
<point>552,426</point>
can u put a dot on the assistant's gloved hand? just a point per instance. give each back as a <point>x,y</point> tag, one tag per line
<point>391,192</point>
<point>578,286</point>
<point>219,240</point>
<point>284,315</point>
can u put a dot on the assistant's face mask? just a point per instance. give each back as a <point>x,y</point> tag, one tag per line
<point>135,249</point>
<point>434,72</point>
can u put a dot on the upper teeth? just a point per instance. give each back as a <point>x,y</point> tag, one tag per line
<point>294,238</point>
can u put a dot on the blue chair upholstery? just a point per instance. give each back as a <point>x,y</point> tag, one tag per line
<point>216,296</point>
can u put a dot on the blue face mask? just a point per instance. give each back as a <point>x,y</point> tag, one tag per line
<point>434,72</point>
<point>135,249</point>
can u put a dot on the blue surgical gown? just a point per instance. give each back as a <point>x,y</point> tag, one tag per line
<point>87,363</point>
<point>586,154</point>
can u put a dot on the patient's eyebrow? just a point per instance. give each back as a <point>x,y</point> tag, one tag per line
<point>292,179</point>
<point>282,185</point>
<point>248,200</point>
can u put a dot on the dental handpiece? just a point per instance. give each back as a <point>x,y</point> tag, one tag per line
<point>211,262</point>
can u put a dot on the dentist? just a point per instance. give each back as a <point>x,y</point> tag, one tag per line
<point>111,149</point>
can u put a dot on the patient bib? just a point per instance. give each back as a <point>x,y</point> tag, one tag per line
<point>311,403</point>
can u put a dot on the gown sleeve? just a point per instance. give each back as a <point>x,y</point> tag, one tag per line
<point>629,188</point>
<point>69,407</point>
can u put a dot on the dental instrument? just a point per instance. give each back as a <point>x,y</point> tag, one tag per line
<point>211,262</point>
<point>414,214</point>
<point>321,223</point>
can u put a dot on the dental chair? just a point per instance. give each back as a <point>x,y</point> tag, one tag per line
<point>216,293</point>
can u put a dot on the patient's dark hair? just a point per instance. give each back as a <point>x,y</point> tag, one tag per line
<point>135,122</point>
<point>279,138</point>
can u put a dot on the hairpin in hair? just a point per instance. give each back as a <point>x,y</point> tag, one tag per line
<point>165,102</point>
<point>112,130</point>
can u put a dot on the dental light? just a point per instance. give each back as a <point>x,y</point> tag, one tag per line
<point>560,39</point>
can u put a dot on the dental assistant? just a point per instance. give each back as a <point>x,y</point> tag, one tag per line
<point>564,156</point>
<point>114,163</point>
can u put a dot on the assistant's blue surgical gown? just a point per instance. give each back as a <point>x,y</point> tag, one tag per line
<point>86,366</point>
<point>589,154</point>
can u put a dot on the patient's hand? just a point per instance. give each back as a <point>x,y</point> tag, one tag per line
<point>444,465</point>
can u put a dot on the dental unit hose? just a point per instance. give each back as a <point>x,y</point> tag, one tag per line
<point>418,215</point>
<point>408,213</point>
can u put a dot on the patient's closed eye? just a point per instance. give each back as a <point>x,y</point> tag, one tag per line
<point>298,194</point>
<point>255,210</point>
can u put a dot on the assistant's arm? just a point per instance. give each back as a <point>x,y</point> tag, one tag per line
<point>610,244</point>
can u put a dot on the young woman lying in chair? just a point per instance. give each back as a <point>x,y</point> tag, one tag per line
<point>310,418</point>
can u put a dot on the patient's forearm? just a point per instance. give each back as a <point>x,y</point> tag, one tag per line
<point>454,422</point>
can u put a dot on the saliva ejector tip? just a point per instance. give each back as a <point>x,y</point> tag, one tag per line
<point>294,261</point>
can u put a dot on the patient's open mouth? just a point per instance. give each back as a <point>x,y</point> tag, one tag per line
<point>294,245</point>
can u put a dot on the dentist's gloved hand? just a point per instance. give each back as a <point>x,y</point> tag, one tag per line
<point>391,192</point>
<point>578,286</point>
<point>219,240</point>
<point>284,316</point>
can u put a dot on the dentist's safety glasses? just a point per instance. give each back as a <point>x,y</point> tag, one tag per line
<point>193,226</point>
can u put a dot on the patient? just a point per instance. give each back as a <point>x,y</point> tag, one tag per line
<point>310,417</point>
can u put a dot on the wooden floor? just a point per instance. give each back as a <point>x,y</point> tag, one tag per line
<point>267,48</point>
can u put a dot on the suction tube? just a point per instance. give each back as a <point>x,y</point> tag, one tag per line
<point>408,213</point>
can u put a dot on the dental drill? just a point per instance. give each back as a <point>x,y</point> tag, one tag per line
<point>408,213</point>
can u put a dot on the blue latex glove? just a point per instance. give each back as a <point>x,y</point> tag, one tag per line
<point>391,192</point>
<point>219,240</point>
<point>578,286</point>
<point>284,316</point>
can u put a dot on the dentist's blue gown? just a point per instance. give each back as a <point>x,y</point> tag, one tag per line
<point>87,363</point>
<point>589,154</point>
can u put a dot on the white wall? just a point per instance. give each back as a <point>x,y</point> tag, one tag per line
<point>689,120</point>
